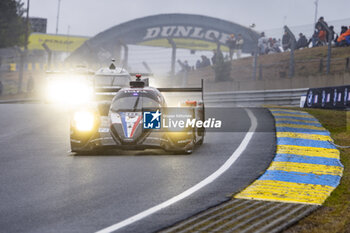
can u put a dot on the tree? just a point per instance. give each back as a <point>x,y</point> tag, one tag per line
<point>12,23</point>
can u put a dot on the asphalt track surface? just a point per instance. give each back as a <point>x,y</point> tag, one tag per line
<point>44,188</point>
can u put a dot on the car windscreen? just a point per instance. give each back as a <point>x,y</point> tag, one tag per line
<point>135,102</point>
<point>112,80</point>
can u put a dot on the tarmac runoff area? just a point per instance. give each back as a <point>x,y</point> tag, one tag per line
<point>306,168</point>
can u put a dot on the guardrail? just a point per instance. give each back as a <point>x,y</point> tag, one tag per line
<point>14,101</point>
<point>287,97</point>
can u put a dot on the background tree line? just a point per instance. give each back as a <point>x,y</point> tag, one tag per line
<point>12,23</point>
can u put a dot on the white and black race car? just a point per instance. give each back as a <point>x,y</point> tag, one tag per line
<point>138,118</point>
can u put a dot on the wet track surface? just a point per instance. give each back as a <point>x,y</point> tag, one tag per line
<point>44,188</point>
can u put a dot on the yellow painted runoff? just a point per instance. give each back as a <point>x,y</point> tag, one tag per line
<point>298,174</point>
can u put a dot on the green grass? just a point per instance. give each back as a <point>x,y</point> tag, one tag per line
<point>334,215</point>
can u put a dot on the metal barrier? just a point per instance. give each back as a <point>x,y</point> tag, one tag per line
<point>286,97</point>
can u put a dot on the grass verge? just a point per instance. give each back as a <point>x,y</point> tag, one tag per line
<point>334,215</point>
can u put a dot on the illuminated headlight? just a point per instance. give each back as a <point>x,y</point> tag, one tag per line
<point>69,92</point>
<point>78,93</point>
<point>84,120</point>
<point>54,91</point>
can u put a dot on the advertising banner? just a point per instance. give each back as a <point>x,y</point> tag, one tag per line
<point>328,97</point>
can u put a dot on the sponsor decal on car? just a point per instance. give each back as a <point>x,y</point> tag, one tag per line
<point>103,130</point>
<point>130,121</point>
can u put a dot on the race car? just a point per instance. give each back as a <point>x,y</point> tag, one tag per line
<point>112,76</point>
<point>76,86</point>
<point>138,118</point>
<point>72,87</point>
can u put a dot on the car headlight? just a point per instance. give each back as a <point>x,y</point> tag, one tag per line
<point>54,91</point>
<point>84,120</point>
<point>78,93</point>
<point>69,91</point>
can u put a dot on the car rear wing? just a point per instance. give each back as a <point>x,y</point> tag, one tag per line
<point>114,90</point>
<point>184,89</point>
<point>142,74</point>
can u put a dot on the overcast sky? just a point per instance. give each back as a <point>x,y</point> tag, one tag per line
<point>89,17</point>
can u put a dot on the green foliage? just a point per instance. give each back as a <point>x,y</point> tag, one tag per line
<point>12,23</point>
<point>222,69</point>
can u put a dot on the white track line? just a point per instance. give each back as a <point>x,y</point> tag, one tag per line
<point>194,188</point>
